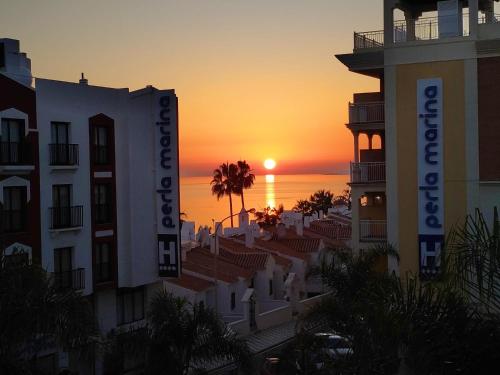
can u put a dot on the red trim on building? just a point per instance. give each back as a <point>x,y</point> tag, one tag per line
<point>17,96</point>
<point>488,69</point>
<point>108,123</point>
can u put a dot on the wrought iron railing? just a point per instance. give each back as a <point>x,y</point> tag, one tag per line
<point>66,217</point>
<point>16,153</point>
<point>73,279</point>
<point>369,39</point>
<point>63,154</point>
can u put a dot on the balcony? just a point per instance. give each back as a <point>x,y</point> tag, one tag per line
<point>368,39</point>
<point>365,173</point>
<point>364,113</point>
<point>14,221</point>
<point>63,155</point>
<point>16,157</point>
<point>66,218</point>
<point>373,230</point>
<point>74,279</point>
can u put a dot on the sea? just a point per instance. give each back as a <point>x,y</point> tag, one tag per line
<point>200,206</point>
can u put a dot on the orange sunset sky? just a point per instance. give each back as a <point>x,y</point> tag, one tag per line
<point>256,79</point>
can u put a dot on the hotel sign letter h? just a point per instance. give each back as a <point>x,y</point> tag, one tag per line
<point>167,255</point>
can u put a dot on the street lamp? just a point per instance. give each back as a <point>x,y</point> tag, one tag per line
<point>217,227</point>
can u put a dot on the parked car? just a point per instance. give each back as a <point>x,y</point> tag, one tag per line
<point>270,366</point>
<point>335,346</point>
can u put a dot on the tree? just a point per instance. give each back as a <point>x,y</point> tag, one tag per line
<point>36,316</point>
<point>472,260</point>
<point>322,200</point>
<point>269,217</point>
<point>180,338</point>
<point>344,199</point>
<point>245,179</point>
<point>224,183</point>
<point>430,328</point>
<point>303,206</point>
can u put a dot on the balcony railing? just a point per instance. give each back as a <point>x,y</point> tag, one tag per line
<point>74,279</point>
<point>13,221</point>
<point>366,112</point>
<point>16,153</point>
<point>63,154</point>
<point>373,230</point>
<point>367,172</point>
<point>424,28</point>
<point>66,217</point>
<point>369,39</point>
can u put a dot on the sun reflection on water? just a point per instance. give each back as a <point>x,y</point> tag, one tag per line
<point>270,193</point>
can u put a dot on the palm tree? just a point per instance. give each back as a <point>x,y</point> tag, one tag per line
<point>245,179</point>
<point>36,316</point>
<point>322,200</point>
<point>472,260</point>
<point>224,183</point>
<point>392,322</point>
<point>180,338</point>
<point>269,217</point>
<point>303,206</point>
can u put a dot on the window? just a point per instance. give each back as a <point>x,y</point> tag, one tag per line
<point>61,212</point>
<point>252,282</point>
<point>61,151</point>
<point>130,305</point>
<point>17,259</point>
<point>60,133</point>
<point>233,301</point>
<point>63,267</point>
<point>103,271</point>
<point>101,145</point>
<point>12,150</point>
<point>14,209</point>
<point>102,203</point>
<point>270,287</point>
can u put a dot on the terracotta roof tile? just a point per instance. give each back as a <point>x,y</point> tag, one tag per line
<point>277,248</point>
<point>302,245</point>
<point>192,283</point>
<point>201,261</point>
<point>236,252</point>
<point>332,229</point>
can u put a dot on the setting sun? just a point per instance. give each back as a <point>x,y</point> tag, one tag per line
<point>269,164</point>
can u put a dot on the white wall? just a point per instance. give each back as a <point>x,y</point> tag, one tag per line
<point>75,104</point>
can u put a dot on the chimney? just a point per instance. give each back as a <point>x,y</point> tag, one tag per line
<point>219,228</point>
<point>214,249</point>
<point>83,80</point>
<point>243,218</point>
<point>307,221</point>
<point>299,227</point>
<point>249,237</point>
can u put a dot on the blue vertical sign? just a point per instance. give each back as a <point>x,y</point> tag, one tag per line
<point>167,183</point>
<point>430,175</point>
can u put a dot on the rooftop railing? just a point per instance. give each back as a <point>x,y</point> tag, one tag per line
<point>369,39</point>
<point>424,28</point>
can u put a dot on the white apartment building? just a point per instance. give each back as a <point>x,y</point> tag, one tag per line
<point>101,209</point>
